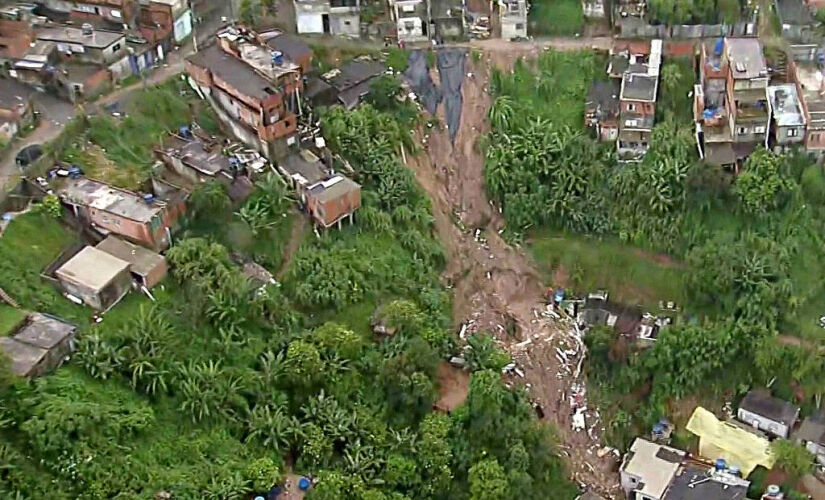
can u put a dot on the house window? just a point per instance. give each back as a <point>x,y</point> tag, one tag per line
<point>519,26</point>
<point>87,9</point>
<point>742,130</point>
<point>115,47</point>
<point>513,7</point>
<point>347,23</point>
<point>631,107</point>
<point>409,26</point>
<point>644,144</point>
<point>793,132</point>
<point>115,13</point>
<point>759,130</point>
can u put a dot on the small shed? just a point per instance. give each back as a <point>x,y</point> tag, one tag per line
<point>39,345</point>
<point>98,278</point>
<point>331,200</point>
<point>767,413</point>
<point>147,267</point>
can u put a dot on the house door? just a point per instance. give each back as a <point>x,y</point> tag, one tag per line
<point>325,21</point>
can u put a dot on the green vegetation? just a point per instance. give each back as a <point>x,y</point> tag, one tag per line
<point>120,149</point>
<point>739,255</point>
<point>695,11</point>
<point>23,257</point>
<point>555,17</point>
<point>629,274</point>
<point>9,319</point>
<point>217,387</point>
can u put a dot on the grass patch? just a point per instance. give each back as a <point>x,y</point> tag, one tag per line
<point>29,244</point>
<point>629,274</point>
<point>555,17</point>
<point>9,319</point>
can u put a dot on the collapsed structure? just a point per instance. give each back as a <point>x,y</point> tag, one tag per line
<point>38,345</point>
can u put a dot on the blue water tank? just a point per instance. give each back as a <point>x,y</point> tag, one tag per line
<point>277,57</point>
<point>184,131</point>
<point>721,464</point>
<point>303,484</point>
<point>274,493</point>
<point>559,295</point>
<point>720,42</point>
<point>658,429</point>
<point>149,198</point>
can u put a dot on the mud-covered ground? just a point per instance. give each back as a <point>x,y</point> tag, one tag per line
<point>496,287</point>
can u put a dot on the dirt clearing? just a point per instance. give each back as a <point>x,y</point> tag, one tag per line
<point>453,387</point>
<point>496,286</point>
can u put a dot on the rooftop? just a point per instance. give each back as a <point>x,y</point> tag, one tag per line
<point>639,87</point>
<point>195,154</point>
<point>142,261</point>
<point>22,356</point>
<point>810,80</point>
<point>333,188</point>
<point>92,268</point>
<point>603,97</point>
<point>794,12</point>
<point>305,167</point>
<point>785,105</point>
<point>695,483</point>
<point>353,73</point>
<point>655,464</point>
<point>99,39</point>
<point>289,45</point>
<point>13,94</point>
<point>760,402</point>
<point>43,331</point>
<point>746,59</point>
<point>234,72</point>
<point>108,198</point>
<point>812,429</point>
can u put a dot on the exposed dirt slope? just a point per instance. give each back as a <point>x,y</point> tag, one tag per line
<point>497,289</point>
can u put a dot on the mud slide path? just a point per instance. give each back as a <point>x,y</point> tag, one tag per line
<point>496,287</point>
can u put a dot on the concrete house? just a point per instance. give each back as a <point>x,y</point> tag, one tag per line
<point>512,16</point>
<point>148,268</point>
<point>39,345</point>
<point>16,109</point>
<point>114,12</point>
<point>446,19</point>
<point>141,219</point>
<point>327,197</point>
<point>166,19</point>
<point>411,20</point>
<point>637,108</point>
<point>252,87</point>
<point>811,434</point>
<point>787,117</point>
<point>746,94</point>
<point>767,413</point>
<point>195,160</point>
<point>347,85</point>
<point>333,17</point>
<point>602,110</point>
<point>593,9</point>
<point>86,44</point>
<point>97,278</point>
<point>15,38</point>
<point>331,200</point>
<point>713,132</point>
<point>810,86</point>
<point>648,469</point>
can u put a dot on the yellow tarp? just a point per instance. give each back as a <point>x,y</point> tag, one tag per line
<point>718,439</point>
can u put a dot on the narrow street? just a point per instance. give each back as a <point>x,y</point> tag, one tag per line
<point>496,287</point>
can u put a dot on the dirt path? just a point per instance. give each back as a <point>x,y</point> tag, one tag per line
<point>496,287</point>
<point>296,237</point>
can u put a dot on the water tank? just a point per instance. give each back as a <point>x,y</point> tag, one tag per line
<point>772,492</point>
<point>721,464</point>
<point>303,484</point>
<point>259,498</point>
<point>277,57</point>
<point>658,429</point>
<point>149,198</point>
<point>87,29</point>
<point>184,131</point>
<point>734,470</point>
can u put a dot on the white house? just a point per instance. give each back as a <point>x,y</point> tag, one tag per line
<point>648,469</point>
<point>767,413</point>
